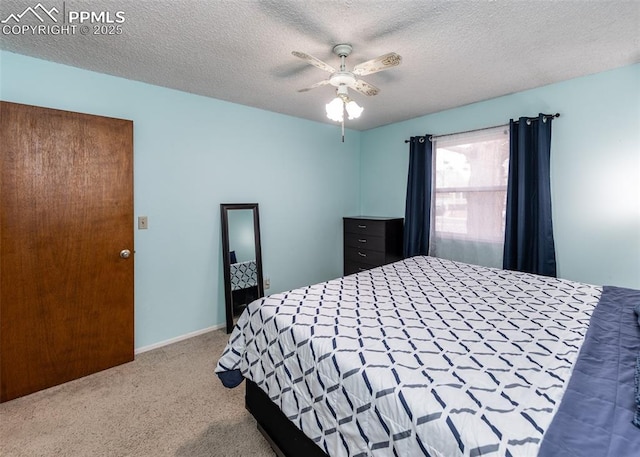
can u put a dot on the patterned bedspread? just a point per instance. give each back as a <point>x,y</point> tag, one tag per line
<point>421,357</point>
<point>244,275</point>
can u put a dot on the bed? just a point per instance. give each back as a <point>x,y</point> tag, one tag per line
<point>431,357</point>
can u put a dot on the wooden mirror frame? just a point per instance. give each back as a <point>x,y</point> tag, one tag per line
<point>226,260</point>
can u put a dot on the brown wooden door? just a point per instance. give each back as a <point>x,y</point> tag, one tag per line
<point>66,294</point>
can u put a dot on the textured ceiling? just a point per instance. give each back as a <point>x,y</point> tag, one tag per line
<point>454,52</point>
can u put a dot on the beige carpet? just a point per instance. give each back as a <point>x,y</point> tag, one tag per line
<point>168,402</point>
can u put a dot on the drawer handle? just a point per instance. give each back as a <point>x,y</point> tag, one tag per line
<point>362,241</point>
<point>362,226</point>
<point>361,254</point>
<point>362,269</point>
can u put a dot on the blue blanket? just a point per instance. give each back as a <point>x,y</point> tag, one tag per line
<point>595,416</point>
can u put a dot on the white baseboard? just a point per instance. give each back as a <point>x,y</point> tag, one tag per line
<point>178,338</point>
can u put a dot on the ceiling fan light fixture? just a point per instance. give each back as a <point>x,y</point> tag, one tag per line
<point>353,109</point>
<point>335,109</point>
<point>337,106</point>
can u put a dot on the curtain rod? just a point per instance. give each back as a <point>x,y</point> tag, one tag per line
<point>529,119</point>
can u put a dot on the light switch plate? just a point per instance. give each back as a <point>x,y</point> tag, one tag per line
<point>143,223</point>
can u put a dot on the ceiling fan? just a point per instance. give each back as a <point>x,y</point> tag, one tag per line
<point>342,79</point>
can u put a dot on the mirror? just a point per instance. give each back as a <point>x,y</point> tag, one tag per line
<point>241,258</point>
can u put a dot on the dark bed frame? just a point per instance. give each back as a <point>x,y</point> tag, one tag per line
<point>285,439</point>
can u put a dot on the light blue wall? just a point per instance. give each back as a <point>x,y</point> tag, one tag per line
<point>595,167</point>
<point>192,153</point>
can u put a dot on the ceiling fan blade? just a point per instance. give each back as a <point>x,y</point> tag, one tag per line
<point>365,88</point>
<point>314,61</point>
<point>324,82</point>
<point>378,64</point>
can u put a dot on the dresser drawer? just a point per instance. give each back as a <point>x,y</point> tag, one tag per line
<point>364,241</point>
<point>364,226</point>
<point>367,256</point>
<point>356,267</point>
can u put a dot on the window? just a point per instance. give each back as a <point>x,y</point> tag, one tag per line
<point>469,196</point>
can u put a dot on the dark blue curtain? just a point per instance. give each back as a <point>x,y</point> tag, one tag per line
<point>528,241</point>
<point>417,215</point>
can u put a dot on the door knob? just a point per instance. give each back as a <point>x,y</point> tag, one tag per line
<point>125,253</point>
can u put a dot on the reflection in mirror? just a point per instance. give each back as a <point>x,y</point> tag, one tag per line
<point>242,259</point>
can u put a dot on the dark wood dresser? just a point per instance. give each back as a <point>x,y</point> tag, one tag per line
<point>370,242</point>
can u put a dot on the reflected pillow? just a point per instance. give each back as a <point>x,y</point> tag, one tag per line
<point>232,257</point>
